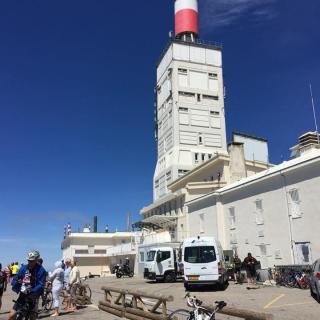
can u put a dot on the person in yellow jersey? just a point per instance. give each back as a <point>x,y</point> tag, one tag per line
<point>15,268</point>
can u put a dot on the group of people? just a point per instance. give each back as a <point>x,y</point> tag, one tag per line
<point>30,280</point>
<point>249,264</point>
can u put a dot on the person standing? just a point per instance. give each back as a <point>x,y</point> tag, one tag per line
<point>237,269</point>
<point>66,285</point>
<point>29,284</point>
<point>57,278</point>
<point>250,264</point>
<point>7,272</point>
<point>14,269</point>
<point>74,280</point>
<point>3,282</point>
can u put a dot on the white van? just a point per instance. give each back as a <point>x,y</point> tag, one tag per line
<point>203,262</point>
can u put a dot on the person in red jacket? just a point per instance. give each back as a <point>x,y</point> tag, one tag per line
<point>250,264</point>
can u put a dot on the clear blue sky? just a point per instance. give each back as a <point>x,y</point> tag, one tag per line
<point>76,102</point>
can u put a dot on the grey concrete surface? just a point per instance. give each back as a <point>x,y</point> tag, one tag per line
<point>283,303</point>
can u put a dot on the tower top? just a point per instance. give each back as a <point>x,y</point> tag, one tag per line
<point>186,20</point>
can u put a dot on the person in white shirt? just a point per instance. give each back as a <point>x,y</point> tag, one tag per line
<point>74,280</point>
<point>57,277</point>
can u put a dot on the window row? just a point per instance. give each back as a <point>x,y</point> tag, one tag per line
<point>293,205</point>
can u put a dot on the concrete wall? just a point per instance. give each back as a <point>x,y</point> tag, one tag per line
<point>202,218</point>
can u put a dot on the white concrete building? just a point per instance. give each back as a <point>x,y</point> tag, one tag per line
<point>274,214</point>
<point>169,212</point>
<point>190,121</point>
<point>97,253</point>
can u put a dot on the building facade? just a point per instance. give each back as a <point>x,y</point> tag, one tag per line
<point>97,253</point>
<point>190,121</point>
<point>273,214</point>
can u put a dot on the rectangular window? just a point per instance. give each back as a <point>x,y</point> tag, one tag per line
<point>183,109</point>
<point>141,256</point>
<point>205,254</point>
<point>183,71</point>
<point>295,203</point>
<point>259,212</point>
<point>233,238</point>
<point>100,251</point>
<point>164,255</point>
<point>232,218</point>
<point>81,251</point>
<point>186,94</point>
<point>196,157</point>
<point>202,223</point>
<point>214,113</point>
<point>209,97</point>
<point>213,76</point>
<point>263,250</point>
<point>203,157</point>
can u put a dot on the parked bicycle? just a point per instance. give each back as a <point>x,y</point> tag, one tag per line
<point>197,312</point>
<point>292,279</point>
<point>83,290</point>
<point>46,298</point>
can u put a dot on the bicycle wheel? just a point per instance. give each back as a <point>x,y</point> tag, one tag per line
<point>48,302</point>
<point>87,291</point>
<point>83,291</point>
<point>181,314</point>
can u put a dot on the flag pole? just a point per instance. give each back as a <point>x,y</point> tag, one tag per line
<point>314,114</point>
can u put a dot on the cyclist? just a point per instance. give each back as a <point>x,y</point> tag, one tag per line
<point>29,284</point>
<point>14,269</point>
<point>3,281</point>
<point>237,269</point>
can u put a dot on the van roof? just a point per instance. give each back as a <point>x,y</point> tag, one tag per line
<point>199,241</point>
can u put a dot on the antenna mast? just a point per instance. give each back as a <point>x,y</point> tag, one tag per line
<point>314,114</point>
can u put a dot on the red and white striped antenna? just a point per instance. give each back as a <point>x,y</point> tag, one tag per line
<point>186,19</point>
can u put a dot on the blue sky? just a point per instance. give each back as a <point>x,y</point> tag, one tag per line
<point>76,102</point>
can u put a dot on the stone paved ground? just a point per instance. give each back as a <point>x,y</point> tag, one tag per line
<point>283,303</point>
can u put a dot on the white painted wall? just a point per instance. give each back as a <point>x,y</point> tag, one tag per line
<point>272,234</point>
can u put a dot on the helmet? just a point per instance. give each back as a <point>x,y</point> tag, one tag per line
<point>33,255</point>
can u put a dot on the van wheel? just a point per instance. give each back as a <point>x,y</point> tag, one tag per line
<point>170,277</point>
<point>223,285</point>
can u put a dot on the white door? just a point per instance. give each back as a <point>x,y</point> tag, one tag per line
<point>165,262</point>
<point>303,253</point>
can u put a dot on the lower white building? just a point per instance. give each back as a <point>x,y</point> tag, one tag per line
<point>271,211</point>
<point>274,214</point>
<point>97,253</point>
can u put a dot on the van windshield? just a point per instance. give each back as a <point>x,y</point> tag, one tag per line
<point>199,254</point>
<point>150,255</point>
